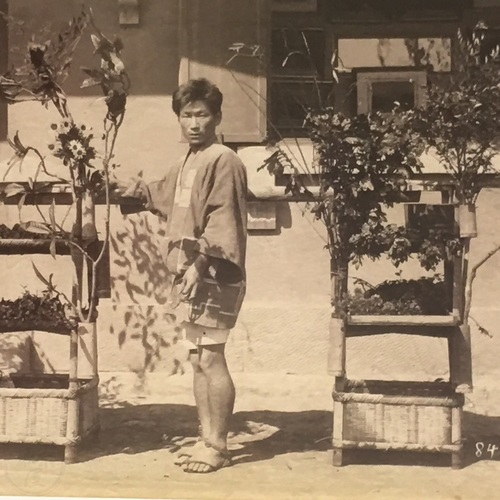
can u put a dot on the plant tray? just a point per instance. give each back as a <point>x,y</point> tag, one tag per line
<point>41,409</point>
<point>384,415</point>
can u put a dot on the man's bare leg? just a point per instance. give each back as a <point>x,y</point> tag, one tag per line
<point>221,395</point>
<point>200,390</point>
<point>221,392</point>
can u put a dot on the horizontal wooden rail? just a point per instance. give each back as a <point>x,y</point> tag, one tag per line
<point>402,320</point>
<point>62,192</point>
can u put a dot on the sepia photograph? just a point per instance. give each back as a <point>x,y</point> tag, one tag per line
<point>250,249</point>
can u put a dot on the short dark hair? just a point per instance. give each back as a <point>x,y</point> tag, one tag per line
<point>199,89</point>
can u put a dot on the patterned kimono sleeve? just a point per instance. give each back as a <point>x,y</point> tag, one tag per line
<point>224,234</point>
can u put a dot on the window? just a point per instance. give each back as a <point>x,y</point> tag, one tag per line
<point>301,77</point>
<point>380,90</point>
<point>208,30</point>
<point>377,63</point>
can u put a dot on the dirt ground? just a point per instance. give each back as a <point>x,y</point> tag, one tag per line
<point>280,443</point>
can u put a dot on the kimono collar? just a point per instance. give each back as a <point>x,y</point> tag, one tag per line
<point>206,145</point>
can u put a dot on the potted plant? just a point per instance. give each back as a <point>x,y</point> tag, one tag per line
<point>461,125</point>
<point>88,164</point>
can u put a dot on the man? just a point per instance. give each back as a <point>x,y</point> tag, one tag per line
<point>203,201</point>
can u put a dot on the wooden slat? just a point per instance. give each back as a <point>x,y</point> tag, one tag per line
<point>337,348</point>
<point>24,246</point>
<point>420,330</point>
<point>460,356</point>
<point>402,320</point>
<point>62,192</point>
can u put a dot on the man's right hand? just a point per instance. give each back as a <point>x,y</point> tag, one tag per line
<point>123,187</point>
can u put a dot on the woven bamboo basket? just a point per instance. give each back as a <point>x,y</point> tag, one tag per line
<point>385,415</point>
<point>38,410</point>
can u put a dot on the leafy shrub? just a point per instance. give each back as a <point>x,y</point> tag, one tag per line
<point>425,296</point>
<point>37,311</point>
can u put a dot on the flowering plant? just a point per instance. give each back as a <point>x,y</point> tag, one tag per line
<point>463,124</point>
<point>40,79</point>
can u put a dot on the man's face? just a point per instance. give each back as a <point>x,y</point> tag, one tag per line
<point>197,123</point>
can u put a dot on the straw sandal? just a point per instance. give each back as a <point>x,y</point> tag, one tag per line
<point>206,459</point>
<point>186,452</point>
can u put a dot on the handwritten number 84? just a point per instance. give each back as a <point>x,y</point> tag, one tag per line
<point>490,448</point>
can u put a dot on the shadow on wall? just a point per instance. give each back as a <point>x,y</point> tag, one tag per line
<point>15,352</point>
<point>140,286</point>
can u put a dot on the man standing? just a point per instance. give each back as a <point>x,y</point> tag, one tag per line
<point>203,199</point>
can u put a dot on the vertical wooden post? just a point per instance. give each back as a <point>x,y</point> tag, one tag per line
<point>459,342</point>
<point>76,255</point>
<point>456,437</point>
<point>89,238</point>
<point>338,430</point>
<point>451,266</point>
<point>460,353</point>
<point>87,346</point>
<point>337,345</point>
<point>73,419</point>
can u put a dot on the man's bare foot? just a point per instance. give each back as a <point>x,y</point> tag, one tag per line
<point>207,458</point>
<point>187,451</point>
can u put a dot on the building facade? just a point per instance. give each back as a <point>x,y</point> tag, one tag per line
<point>271,59</point>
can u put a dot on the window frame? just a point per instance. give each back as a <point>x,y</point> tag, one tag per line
<point>366,78</point>
<point>441,27</point>
<point>299,22</point>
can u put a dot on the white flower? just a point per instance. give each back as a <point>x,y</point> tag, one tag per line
<point>77,150</point>
<point>65,126</point>
<point>84,129</point>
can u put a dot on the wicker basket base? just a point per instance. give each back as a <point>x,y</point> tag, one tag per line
<point>39,409</point>
<point>412,416</point>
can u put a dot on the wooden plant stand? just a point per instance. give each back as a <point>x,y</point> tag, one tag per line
<point>58,409</point>
<point>412,415</point>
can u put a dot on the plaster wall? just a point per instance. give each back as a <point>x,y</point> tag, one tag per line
<point>284,321</point>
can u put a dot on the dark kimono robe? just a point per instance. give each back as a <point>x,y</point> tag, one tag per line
<point>214,223</point>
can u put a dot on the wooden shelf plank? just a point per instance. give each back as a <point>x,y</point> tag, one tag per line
<point>24,246</point>
<point>426,326</point>
<point>423,331</point>
<point>400,320</point>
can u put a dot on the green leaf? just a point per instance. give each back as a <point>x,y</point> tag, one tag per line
<point>39,275</point>
<point>52,248</point>
<point>20,204</point>
<point>90,82</point>
<point>36,227</point>
<point>52,214</point>
<point>352,140</point>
